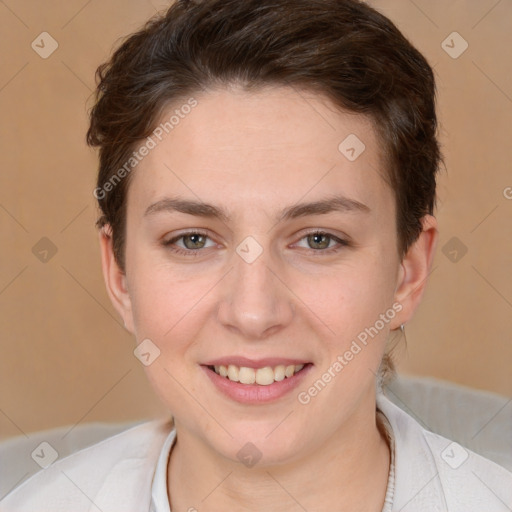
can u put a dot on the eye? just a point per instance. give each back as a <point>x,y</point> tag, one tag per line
<point>322,241</point>
<point>189,243</point>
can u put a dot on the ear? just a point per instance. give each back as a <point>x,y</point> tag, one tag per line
<point>414,270</point>
<point>115,278</point>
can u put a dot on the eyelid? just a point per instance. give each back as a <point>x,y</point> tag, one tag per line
<point>187,231</point>
<point>342,240</point>
<point>177,236</point>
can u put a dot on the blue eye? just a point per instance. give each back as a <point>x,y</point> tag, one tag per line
<point>191,243</point>
<point>323,242</point>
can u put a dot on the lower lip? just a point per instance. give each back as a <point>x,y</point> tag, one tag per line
<point>256,393</point>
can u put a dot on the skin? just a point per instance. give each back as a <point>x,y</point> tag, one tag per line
<point>253,154</point>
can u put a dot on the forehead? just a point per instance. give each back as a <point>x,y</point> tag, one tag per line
<point>261,149</point>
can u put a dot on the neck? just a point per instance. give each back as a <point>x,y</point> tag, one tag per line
<point>348,472</point>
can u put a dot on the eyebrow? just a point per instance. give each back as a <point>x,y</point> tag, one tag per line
<point>200,209</point>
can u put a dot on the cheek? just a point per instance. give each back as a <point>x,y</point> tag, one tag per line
<point>168,306</point>
<point>350,299</point>
<point>159,295</point>
<point>169,311</point>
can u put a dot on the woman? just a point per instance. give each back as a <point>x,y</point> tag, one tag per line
<point>267,190</point>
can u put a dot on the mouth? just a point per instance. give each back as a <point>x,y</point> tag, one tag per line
<point>264,376</point>
<point>257,384</point>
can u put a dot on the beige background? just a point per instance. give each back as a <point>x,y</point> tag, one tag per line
<point>65,357</point>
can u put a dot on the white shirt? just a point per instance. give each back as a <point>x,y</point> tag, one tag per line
<point>124,472</point>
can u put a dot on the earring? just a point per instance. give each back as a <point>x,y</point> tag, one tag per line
<point>402,327</point>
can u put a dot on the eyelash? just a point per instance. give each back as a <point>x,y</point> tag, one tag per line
<point>184,252</point>
<point>318,252</point>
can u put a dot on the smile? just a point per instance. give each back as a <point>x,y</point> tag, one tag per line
<point>266,382</point>
<point>262,376</point>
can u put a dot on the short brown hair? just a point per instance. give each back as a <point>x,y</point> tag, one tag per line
<point>342,49</point>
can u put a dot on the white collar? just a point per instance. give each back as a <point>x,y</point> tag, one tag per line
<point>417,481</point>
<point>159,496</point>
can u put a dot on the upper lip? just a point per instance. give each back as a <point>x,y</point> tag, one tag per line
<point>254,363</point>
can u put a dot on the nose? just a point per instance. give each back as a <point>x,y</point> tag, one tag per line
<point>256,302</point>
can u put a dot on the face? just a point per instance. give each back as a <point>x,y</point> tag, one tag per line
<point>254,239</point>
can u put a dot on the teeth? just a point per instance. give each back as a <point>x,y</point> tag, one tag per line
<point>262,376</point>
<point>279,372</point>
<point>233,373</point>
<point>247,375</point>
<point>265,376</point>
